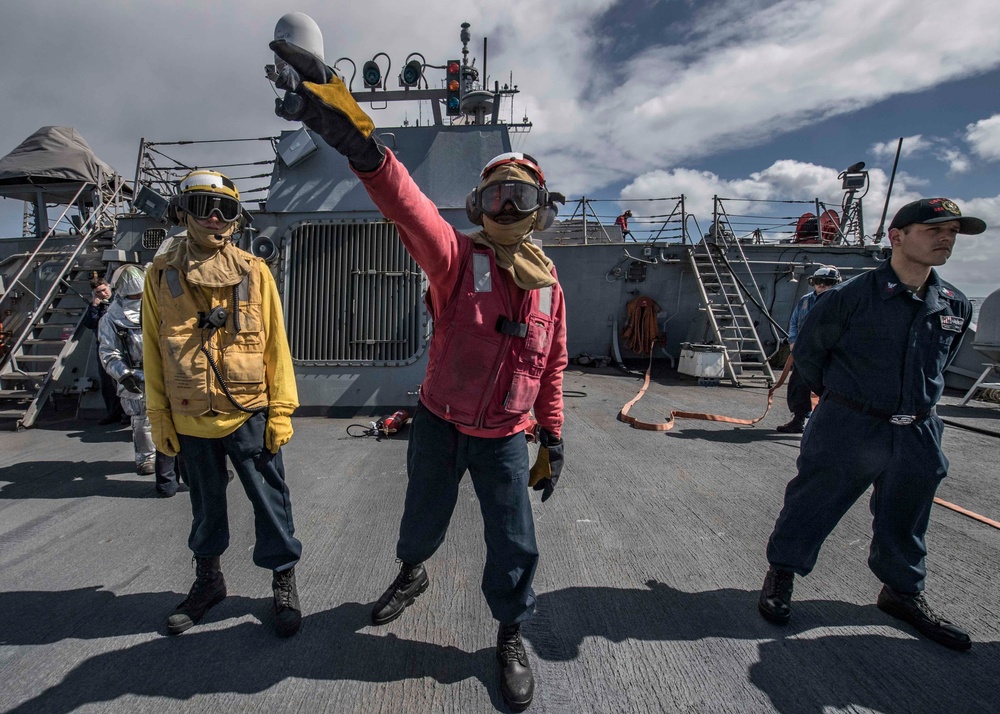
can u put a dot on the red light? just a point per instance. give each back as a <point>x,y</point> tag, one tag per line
<point>453,68</point>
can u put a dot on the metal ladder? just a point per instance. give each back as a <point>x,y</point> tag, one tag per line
<point>38,350</point>
<point>724,302</point>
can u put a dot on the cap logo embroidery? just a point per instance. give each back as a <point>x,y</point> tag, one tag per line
<point>950,207</point>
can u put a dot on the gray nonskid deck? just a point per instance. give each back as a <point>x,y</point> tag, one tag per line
<point>651,559</point>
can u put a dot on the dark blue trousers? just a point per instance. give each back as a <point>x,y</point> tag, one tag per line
<point>168,473</point>
<point>263,477</point>
<point>843,453</point>
<point>797,396</point>
<point>437,458</point>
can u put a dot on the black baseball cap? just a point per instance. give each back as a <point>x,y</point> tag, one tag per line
<point>936,210</point>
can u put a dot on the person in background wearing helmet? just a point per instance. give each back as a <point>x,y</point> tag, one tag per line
<point>798,396</point>
<point>220,382</point>
<point>120,345</point>
<point>498,351</point>
<point>875,349</point>
<point>622,223</point>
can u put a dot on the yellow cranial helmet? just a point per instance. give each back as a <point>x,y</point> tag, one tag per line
<point>202,193</point>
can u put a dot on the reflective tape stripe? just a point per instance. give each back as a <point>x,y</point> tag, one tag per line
<point>545,301</point>
<point>481,276</point>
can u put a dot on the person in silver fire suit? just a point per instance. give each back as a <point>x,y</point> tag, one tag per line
<point>119,335</point>
<point>498,352</point>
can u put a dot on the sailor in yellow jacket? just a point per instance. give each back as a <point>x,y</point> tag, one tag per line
<point>220,383</point>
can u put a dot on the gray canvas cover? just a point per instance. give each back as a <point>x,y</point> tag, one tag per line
<point>52,155</point>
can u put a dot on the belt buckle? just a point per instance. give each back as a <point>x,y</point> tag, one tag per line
<point>901,419</point>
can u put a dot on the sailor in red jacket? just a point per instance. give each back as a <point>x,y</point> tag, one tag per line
<point>622,223</point>
<point>498,352</point>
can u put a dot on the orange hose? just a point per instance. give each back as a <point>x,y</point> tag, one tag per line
<point>964,512</point>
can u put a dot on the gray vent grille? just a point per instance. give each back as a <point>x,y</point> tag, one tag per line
<point>153,237</point>
<point>353,296</point>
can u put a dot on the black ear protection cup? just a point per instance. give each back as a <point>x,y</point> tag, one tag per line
<point>472,208</point>
<point>173,213</point>
<point>545,216</point>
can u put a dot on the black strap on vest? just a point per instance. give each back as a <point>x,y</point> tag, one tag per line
<point>514,329</point>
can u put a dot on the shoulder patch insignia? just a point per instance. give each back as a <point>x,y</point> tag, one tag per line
<point>947,293</point>
<point>952,323</point>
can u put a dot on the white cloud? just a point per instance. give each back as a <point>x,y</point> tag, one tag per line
<point>912,145</point>
<point>984,137</point>
<point>740,73</point>
<point>777,74</point>
<point>786,189</point>
<point>958,163</point>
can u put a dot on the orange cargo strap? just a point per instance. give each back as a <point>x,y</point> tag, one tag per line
<point>677,414</point>
<point>971,514</point>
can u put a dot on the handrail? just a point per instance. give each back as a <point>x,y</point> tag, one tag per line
<point>20,273</point>
<point>46,301</point>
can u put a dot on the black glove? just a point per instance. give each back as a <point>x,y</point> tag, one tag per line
<point>548,466</point>
<point>318,98</point>
<point>132,383</point>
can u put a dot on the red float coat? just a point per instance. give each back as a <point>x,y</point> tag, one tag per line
<point>483,381</point>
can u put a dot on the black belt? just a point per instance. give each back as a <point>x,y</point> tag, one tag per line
<point>897,419</point>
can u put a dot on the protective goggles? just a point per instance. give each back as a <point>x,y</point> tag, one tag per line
<point>203,205</point>
<point>823,281</point>
<point>523,196</point>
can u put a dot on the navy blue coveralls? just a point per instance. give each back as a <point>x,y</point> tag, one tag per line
<point>798,396</point>
<point>873,351</point>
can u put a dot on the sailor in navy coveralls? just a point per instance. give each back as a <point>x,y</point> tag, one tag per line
<point>875,348</point>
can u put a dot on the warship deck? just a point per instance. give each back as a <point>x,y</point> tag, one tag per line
<point>652,555</point>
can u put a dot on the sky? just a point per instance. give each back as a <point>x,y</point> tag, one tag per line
<point>761,99</point>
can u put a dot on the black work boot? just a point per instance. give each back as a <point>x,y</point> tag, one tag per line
<point>287,613</point>
<point>517,684</point>
<point>775,602</point>
<point>208,590</point>
<point>915,610</point>
<point>796,426</point>
<point>411,581</point>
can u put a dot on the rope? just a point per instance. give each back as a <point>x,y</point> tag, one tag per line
<point>964,512</point>
<point>641,329</point>
<point>677,414</point>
